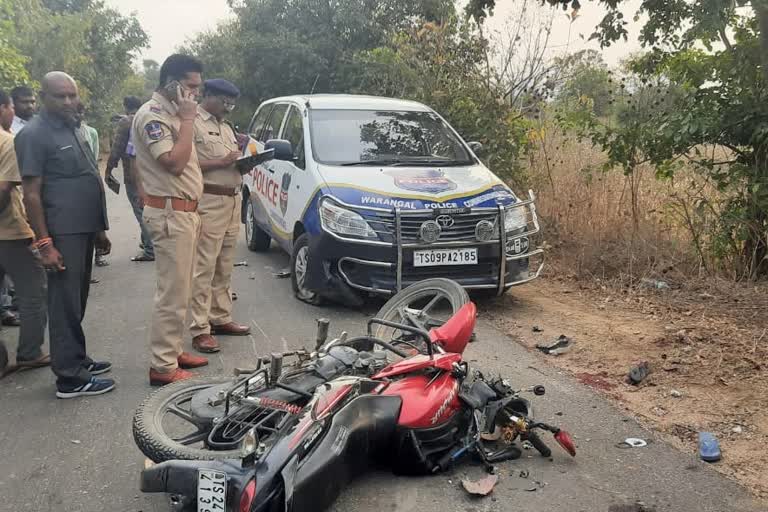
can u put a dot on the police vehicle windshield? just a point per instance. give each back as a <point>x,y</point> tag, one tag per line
<point>391,138</point>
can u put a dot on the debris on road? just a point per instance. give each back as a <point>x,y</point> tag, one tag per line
<point>737,429</point>
<point>536,328</point>
<point>252,277</point>
<point>635,507</point>
<point>638,373</point>
<point>676,394</point>
<point>709,447</point>
<point>282,274</point>
<point>562,345</point>
<point>234,296</point>
<point>482,487</point>
<point>633,442</point>
<point>241,264</point>
<point>76,441</point>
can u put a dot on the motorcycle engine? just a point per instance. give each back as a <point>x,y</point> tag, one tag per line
<point>370,363</point>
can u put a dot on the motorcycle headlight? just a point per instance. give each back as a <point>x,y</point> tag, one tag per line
<point>344,222</point>
<point>515,219</point>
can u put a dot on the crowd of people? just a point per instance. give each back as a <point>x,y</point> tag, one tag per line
<point>177,154</point>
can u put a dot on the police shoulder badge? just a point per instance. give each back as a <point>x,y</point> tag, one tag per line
<point>154,130</point>
<point>156,109</point>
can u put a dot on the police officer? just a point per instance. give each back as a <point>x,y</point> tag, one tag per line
<point>220,209</point>
<point>66,207</point>
<point>171,185</point>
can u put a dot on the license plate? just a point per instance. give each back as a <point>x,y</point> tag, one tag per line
<point>211,491</point>
<point>437,257</point>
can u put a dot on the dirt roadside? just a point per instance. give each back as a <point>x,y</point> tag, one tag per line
<point>706,345</point>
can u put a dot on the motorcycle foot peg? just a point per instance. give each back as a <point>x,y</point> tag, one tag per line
<point>275,368</point>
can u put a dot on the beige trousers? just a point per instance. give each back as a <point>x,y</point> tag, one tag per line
<point>175,236</point>
<point>211,285</point>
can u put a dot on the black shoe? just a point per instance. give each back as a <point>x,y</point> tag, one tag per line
<point>92,388</point>
<point>99,367</point>
<point>10,319</point>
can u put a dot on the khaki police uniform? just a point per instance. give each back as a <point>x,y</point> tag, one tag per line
<point>170,214</point>
<point>220,214</point>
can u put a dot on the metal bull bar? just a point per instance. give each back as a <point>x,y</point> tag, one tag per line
<point>532,227</point>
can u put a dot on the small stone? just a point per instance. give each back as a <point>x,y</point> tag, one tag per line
<point>737,429</point>
<point>676,394</point>
<point>76,441</point>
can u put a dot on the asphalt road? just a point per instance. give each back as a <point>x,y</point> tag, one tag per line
<point>79,455</point>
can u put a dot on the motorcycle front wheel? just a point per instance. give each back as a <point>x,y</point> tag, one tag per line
<point>429,304</point>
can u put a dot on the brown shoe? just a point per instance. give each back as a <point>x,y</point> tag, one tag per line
<point>231,329</point>
<point>161,379</point>
<point>188,361</point>
<point>205,343</point>
<point>40,362</point>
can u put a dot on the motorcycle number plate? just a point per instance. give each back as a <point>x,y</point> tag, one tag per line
<point>439,257</point>
<point>211,491</point>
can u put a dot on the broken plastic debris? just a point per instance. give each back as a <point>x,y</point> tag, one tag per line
<point>282,274</point>
<point>482,487</point>
<point>234,296</point>
<point>241,264</point>
<point>655,283</point>
<point>562,345</point>
<point>76,441</point>
<point>638,373</point>
<point>635,442</point>
<point>709,447</point>
<point>536,328</point>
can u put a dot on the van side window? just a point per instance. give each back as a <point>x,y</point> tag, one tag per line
<point>272,127</point>
<point>294,133</point>
<point>259,120</point>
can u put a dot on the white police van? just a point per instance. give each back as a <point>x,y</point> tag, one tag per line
<point>372,194</point>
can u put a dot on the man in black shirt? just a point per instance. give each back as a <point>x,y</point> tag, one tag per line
<point>66,206</point>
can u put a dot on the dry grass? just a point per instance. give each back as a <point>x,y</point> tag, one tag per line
<point>603,224</point>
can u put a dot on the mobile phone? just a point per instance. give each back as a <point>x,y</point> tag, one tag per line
<point>173,88</point>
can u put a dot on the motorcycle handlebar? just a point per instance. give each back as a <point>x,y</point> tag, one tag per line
<point>413,330</point>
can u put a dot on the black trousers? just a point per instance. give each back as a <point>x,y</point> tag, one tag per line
<point>67,299</point>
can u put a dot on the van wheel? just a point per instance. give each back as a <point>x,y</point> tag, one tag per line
<point>256,238</point>
<point>299,271</point>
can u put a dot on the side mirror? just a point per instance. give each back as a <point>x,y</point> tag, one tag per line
<point>476,147</point>
<point>283,149</point>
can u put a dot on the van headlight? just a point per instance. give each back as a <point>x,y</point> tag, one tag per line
<point>344,222</point>
<point>515,219</point>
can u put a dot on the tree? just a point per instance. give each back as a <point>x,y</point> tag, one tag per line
<point>585,76</point>
<point>277,47</point>
<point>93,43</point>
<point>12,62</point>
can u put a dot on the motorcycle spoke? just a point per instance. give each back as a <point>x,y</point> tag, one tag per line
<point>425,310</point>
<point>190,439</point>
<point>181,413</point>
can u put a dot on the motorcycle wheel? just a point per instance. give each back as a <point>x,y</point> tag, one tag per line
<point>432,301</point>
<point>152,430</point>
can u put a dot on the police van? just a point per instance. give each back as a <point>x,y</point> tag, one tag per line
<point>370,195</point>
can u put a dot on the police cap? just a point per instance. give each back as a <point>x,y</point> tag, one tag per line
<point>216,86</point>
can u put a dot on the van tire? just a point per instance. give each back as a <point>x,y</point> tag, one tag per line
<point>256,238</point>
<point>300,256</point>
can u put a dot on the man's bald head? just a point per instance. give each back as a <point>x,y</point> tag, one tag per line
<point>59,95</point>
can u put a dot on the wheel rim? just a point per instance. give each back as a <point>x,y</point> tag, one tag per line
<point>300,271</point>
<point>249,222</point>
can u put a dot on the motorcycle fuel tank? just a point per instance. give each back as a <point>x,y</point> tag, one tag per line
<point>426,402</point>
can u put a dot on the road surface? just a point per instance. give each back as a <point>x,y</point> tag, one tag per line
<point>79,455</point>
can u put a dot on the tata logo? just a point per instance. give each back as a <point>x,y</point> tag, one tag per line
<point>445,221</point>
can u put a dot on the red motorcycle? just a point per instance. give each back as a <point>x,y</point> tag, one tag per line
<point>290,437</point>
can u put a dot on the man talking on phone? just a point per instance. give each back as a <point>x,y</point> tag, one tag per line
<point>171,183</point>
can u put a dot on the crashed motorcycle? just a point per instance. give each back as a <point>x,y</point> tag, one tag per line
<point>289,434</point>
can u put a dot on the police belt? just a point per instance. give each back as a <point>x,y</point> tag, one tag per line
<point>177,204</point>
<point>220,190</point>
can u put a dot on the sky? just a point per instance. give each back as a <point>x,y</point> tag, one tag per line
<point>170,23</point>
